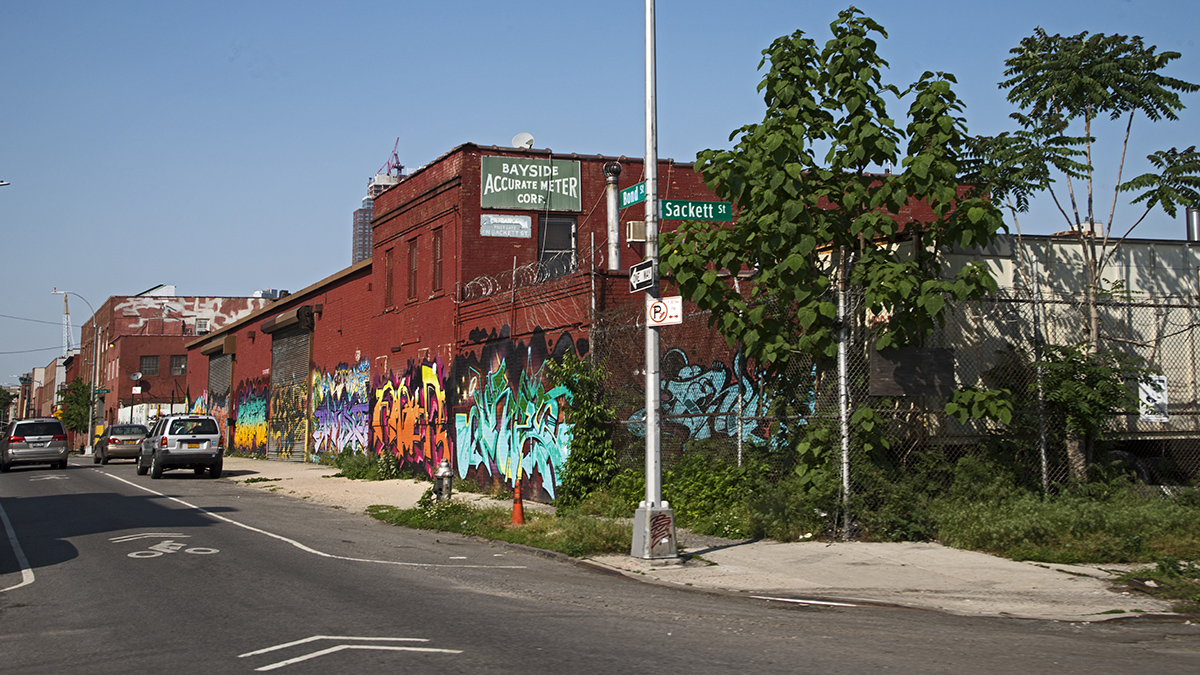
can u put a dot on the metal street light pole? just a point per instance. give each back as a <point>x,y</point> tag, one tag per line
<point>653,521</point>
<point>91,432</point>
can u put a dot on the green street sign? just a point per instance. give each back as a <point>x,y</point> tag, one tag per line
<point>530,184</point>
<point>680,209</point>
<point>634,194</point>
<point>101,391</point>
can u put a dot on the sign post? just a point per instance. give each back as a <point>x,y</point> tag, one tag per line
<point>653,521</point>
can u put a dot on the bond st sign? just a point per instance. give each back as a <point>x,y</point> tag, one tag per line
<point>530,183</point>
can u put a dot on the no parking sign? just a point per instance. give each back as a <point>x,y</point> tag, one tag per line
<point>664,311</point>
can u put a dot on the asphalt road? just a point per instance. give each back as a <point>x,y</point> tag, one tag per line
<point>191,575</point>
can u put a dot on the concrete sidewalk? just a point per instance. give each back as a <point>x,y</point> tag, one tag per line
<point>916,575</point>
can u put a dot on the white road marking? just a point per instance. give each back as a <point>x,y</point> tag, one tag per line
<point>803,602</point>
<point>26,571</point>
<point>55,477</point>
<point>302,547</point>
<point>314,638</point>
<point>146,535</point>
<point>338,648</point>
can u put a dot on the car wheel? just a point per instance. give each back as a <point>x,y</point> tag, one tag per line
<point>96,457</point>
<point>104,457</point>
<point>156,467</point>
<point>3,467</point>
<point>214,471</point>
<point>141,470</point>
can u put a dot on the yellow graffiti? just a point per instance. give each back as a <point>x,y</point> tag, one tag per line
<point>408,419</point>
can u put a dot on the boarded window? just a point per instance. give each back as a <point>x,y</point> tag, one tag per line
<point>412,270</point>
<point>437,259</point>
<point>388,298</point>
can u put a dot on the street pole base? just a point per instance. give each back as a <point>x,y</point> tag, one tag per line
<point>654,533</point>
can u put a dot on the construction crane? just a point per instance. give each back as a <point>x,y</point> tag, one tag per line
<point>393,163</point>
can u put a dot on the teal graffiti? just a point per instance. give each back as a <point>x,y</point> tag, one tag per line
<point>517,431</point>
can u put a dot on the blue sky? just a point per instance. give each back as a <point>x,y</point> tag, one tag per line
<point>222,146</point>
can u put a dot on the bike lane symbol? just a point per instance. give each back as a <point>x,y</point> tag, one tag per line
<point>163,547</point>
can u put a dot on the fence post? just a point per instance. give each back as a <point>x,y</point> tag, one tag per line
<point>1037,359</point>
<point>843,396</point>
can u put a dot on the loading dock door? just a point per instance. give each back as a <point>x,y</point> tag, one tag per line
<point>287,428</point>
<point>220,374</point>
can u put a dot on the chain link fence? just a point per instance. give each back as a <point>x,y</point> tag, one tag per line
<point>895,436</point>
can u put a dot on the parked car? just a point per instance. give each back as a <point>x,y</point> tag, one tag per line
<point>34,441</point>
<point>119,441</point>
<point>182,442</point>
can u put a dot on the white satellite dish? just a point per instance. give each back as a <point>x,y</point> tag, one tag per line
<point>522,140</point>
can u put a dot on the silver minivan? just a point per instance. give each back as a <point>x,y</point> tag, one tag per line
<point>35,441</point>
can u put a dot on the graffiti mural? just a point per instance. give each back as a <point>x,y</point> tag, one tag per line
<point>287,421</point>
<point>200,405</point>
<point>410,414</point>
<point>250,417</point>
<point>513,428</point>
<point>702,402</point>
<point>341,409</point>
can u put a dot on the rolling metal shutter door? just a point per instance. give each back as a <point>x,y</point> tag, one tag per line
<point>287,436</point>
<point>220,372</point>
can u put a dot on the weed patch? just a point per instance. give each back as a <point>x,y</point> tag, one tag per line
<point>569,533</point>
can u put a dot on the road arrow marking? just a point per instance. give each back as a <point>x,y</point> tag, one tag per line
<point>342,647</point>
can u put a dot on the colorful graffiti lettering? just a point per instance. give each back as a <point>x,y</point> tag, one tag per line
<point>250,430</point>
<point>512,428</point>
<point>341,416</point>
<point>705,400</point>
<point>409,416</point>
<point>517,430</point>
<point>288,422</point>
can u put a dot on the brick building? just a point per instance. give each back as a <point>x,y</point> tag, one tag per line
<point>146,334</point>
<point>486,262</point>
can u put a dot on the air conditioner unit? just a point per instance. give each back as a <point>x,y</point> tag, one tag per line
<point>635,231</point>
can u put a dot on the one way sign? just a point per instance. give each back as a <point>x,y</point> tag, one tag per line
<point>641,276</point>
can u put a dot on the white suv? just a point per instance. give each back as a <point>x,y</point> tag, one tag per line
<point>182,442</point>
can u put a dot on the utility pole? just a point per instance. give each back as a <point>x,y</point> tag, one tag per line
<point>653,521</point>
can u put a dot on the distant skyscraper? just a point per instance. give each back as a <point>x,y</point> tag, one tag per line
<point>361,242</point>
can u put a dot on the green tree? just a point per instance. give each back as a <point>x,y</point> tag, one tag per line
<point>6,398</point>
<point>808,208</point>
<point>75,400</point>
<point>1063,86</point>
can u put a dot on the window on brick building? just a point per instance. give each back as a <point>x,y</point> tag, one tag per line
<point>179,364</point>
<point>148,366</point>
<point>388,299</point>
<point>556,246</point>
<point>412,270</point>
<point>437,259</point>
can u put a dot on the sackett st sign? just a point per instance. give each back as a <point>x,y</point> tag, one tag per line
<point>530,183</point>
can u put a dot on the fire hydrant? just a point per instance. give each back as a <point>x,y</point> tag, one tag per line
<point>442,479</point>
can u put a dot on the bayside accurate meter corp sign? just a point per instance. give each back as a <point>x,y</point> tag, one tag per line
<point>530,183</point>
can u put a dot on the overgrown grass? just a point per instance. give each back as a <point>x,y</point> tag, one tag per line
<point>1123,527</point>
<point>372,466</point>
<point>1172,579</point>
<point>570,532</point>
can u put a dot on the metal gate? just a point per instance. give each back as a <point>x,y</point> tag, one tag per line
<point>287,427</point>
<point>220,374</point>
